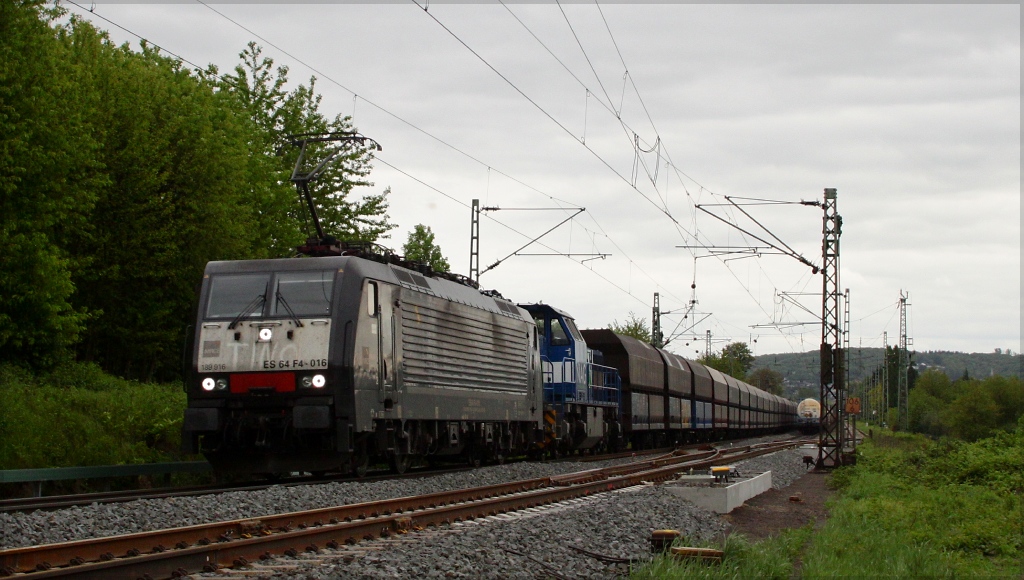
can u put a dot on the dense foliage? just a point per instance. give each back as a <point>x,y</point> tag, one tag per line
<point>79,415</point>
<point>909,508</point>
<point>122,173</point>
<point>916,508</point>
<point>968,409</point>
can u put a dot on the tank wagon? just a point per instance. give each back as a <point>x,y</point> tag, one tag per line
<point>809,416</point>
<point>336,362</point>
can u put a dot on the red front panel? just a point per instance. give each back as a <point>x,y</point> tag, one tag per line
<point>281,382</point>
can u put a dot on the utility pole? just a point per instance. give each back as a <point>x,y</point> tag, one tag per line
<point>657,339</point>
<point>904,368</point>
<point>474,238</point>
<point>707,349</point>
<point>474,243</point>
<point>830,440</point>
<point>885,376</point>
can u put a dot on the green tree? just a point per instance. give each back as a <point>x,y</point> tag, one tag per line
<point>767,379</point>
<point>973,415</point>
<point>735,359</point>
<point>175,152</point>
<point>634,326</point>
<point>925,413</point>
<point>49,178</point>
<point>275,113</point>
<point>1008,395</point>
<point>420,247</point>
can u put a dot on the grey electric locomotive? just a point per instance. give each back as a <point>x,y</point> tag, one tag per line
<point>331,363</point>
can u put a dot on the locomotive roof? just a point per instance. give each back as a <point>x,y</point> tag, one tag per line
<point>547,308</point>
<point>411,279</point>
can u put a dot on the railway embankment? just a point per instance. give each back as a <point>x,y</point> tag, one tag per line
<point>911,508</point>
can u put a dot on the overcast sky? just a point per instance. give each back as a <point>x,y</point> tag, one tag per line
<point>637,112</point>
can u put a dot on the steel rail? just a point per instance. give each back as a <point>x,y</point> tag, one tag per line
<point>63,501</point>
<point>235,543</point>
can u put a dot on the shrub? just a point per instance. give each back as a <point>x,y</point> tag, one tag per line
<point>77,415</point>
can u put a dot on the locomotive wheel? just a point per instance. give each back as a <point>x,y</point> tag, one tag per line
<point>400,462</point>
<point>360,464</point>
<point>473,458</point>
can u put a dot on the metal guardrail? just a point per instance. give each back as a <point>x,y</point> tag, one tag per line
<point>100,471</point>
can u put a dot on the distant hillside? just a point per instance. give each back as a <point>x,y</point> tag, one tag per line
<point>800,370</point>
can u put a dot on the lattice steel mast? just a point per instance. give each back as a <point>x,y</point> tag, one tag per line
<point>474,243</point>
<point>885,377</point>
<point>657,338</point>
<point>830,440</point>
<point>904,366</point>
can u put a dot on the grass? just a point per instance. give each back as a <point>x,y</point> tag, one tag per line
<point>910,508</point>
<point>77,415</point>
<point>769,559</point>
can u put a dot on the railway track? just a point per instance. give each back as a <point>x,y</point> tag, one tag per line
<point>27,504</point>
<point>208,547</point>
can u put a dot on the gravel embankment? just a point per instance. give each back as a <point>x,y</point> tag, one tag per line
<point>616,525</point>
<point>541,545</point>
<point>538,545</point>
<point>97,520</point>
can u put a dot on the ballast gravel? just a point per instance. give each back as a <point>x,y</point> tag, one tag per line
<point>572,540</point>
<point>541,543</point>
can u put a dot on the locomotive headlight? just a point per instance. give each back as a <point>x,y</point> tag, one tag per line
<point>209,384</point>
<point>265,335</point>
<point>222,384</point>
<point>319,381</point>
<point>307,381</point>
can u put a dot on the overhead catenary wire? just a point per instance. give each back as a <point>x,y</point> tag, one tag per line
<point>663,210</point>
<point>609,107</point>
<point>392,115</point>
<point>677,171</point>
<point>389,113</point>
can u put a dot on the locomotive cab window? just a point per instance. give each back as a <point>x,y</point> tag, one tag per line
<point>573,330</point>
<point>371,298</point>
<point>539,321</point>
<point>303,293</point>
<point>558,335</point>
<point>237,294</point>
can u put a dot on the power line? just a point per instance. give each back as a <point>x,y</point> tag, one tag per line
<point>547,114</point>
<point>389,113</point>
<point>678,172</point>
<point>636,137</point>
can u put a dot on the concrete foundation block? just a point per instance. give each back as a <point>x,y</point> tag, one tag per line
<point>723,498</point>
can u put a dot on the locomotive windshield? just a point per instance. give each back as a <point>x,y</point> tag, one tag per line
<point>305,293</point>
<point>293,294</point>
<point>573,330</point>
<point>232,295</point>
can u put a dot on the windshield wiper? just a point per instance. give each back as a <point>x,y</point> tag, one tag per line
<point>257,302</point>
<point>283,302</point>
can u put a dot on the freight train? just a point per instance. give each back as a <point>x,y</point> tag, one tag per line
<point>356,357</point>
